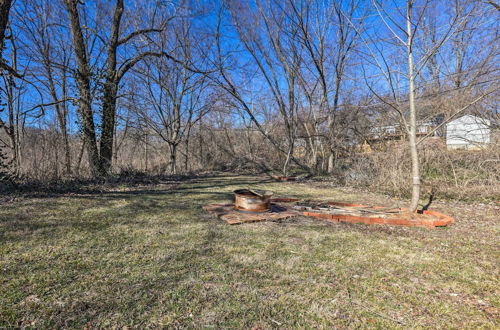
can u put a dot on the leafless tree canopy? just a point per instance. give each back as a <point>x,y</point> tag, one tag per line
<point>97,88</point>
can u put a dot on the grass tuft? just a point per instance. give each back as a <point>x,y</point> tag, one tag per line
<point>151,257</point>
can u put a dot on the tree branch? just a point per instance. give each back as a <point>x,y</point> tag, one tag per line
<point>9,69</point>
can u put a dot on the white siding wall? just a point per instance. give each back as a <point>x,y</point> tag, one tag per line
<point>467,132</point>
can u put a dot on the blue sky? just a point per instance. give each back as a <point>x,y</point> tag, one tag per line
<point>375,33</point>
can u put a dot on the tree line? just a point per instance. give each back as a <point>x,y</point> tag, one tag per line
<point>94,88</point>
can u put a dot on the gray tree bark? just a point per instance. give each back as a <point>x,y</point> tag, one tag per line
<point>415,166</point>
<point>83,82</point>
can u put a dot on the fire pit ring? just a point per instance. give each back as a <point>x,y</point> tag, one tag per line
<point>255,201</point>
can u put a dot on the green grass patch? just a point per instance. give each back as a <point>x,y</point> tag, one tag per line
<point>151,257</point>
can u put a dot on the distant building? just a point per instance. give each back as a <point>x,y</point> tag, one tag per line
<point>468,132</point>
<point>396,132</point>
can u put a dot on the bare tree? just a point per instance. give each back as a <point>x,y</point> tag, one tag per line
<point>402,31</point>
<point>101,158</point>
<point>53,55</point>
<point>329,38</point>
<point>115,73</point>
<point>172,96</point>
<point>83,76</point>
<point>270,41</point>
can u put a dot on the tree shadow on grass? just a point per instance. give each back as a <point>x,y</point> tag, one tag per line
<point>50,216</point>
<point>153,186</point>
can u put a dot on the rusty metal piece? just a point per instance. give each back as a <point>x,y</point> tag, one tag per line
<point>252,201</point>
<point>230,215</point>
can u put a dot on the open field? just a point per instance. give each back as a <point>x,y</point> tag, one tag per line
<point>150,256</point>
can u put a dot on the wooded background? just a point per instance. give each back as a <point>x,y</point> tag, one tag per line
<point>95,89</point>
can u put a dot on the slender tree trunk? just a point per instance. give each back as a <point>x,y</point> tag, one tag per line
<point>54,141</point>
<point>67,153</point>
<point>146,141</point>
<point>11,129</point>
<point>64,128</point>
<point>415,167</point>
<point>200,144</point>
<point>331,140</point>
<point>79,158</point>
<point>331,117</point>
<point>331,161</point>
<point>287,159</point>
<point>173,158</point>
<point>186,159</point>
<point>61,111</point>
<point>19,130</point>
<point>116,146</point>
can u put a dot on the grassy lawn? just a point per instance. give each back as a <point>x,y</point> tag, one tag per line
<point>150,256</point>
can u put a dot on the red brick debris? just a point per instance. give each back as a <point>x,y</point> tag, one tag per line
<point>394,216</point>
<point>398,217</point>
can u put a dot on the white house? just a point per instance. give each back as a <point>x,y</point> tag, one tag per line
<point>468,132</point>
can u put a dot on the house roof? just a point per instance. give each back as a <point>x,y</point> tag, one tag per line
<point>470,119</point>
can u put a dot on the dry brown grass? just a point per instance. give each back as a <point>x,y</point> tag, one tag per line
<point>150,256</point>
<point>453,174</point>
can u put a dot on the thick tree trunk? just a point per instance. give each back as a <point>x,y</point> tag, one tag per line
<point>415,167</point>
<point>110,93</point>
<point>83,83</point>
<point>4,19</point>
<point>173,159</point>
<point>331,161</point>
<point>88,129</point>
<point>108,126</point>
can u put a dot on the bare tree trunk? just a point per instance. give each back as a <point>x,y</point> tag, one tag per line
<point>61,112</point>
<point>110,93</point>
<point>415,167</point>
<point>83,83</point>
<point>287,161</point>
<point>11,131</point>
<point>332,114</point>
<point>200,144</point>
<point>64,128</point>
<point>186,159</point>
<point>13,110</point>
<point>113,77</point>
<point>79,158</point>
<point>108,126</point>
<point>4,19</point>
<point>19,130</point>
<point>146,153</point>
<point>173,158</point>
